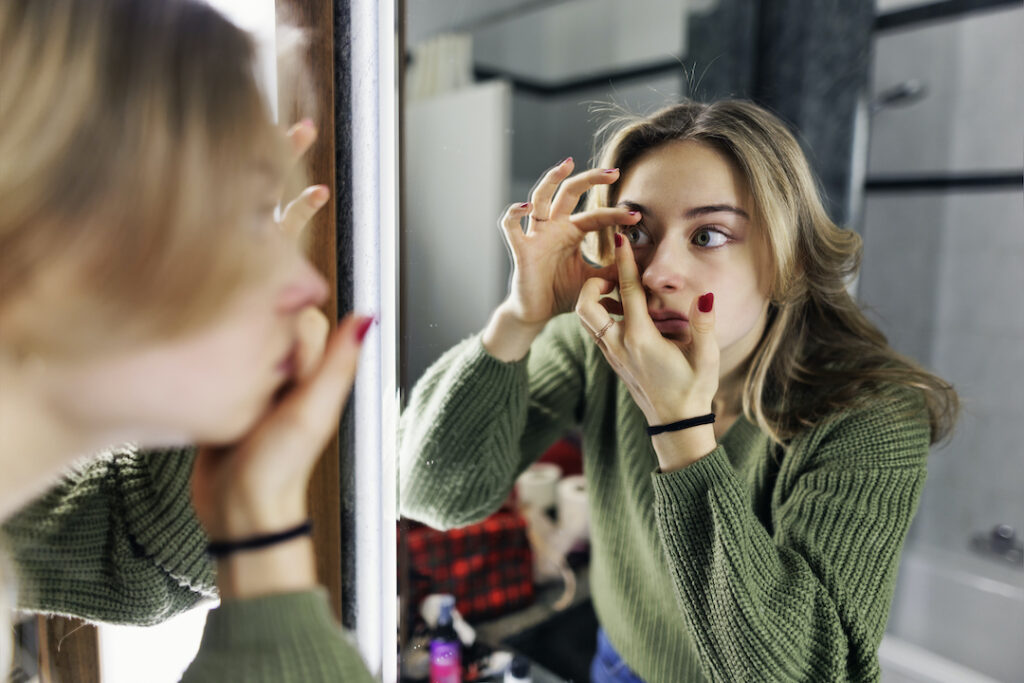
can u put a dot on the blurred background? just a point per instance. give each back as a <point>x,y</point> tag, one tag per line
<point>911,114</point>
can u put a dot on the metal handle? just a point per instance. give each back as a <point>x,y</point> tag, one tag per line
<point>1002,543</point>
<point>901,95</point>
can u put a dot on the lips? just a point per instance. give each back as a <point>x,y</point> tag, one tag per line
<point>669,321</point>
<point>667,314</point>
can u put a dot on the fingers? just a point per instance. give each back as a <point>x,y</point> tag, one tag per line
<point>704,351</point>
<point>544,190</point>
<point>590,309</point>
<point>572,189</point>
<point>511,222</point>
<point>300,137</point>
<point>319,400</point>
<point>313,329</point>
<point>631,291</point>
<point>300,210</point>
<point>595,219</point>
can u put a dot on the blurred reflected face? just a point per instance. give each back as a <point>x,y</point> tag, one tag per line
<point>696,236</point>
<point>209,385</point>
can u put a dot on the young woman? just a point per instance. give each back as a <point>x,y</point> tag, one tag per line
<point>147,296</point>
<point>754,449</point>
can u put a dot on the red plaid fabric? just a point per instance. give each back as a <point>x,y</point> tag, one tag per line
<point>488,567</point>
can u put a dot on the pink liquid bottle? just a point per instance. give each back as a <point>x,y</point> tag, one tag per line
<point>445,647</point>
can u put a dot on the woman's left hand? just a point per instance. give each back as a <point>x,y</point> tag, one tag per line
<point>258,485</point>
<point>667,384</point>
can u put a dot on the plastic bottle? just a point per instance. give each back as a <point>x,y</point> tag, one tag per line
<point>445,647</point>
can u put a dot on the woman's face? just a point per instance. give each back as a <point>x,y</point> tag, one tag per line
<point>210,385</point>
<point>696,236</point>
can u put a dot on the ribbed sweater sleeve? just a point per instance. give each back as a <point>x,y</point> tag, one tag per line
<point>116,540</point>
<point>276,639</point>
<point>474,423</point>
<point>808,599</point>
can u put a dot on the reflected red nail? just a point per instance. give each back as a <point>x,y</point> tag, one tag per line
<point>706,303</point>
<point>618,240</point>
<point>524,205</point>
<point>363,328</point>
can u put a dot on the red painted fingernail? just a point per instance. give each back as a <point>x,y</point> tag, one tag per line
<point>565,161</point>
<point>706,303</point>
<point>618,240</point>
<point>363,328</point>
<point>610,170</point>
<point>524,205</point>
<point>633,213</point>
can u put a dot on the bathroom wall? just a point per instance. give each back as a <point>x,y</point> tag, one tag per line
<point>944,250</point>
<point>943,276</point>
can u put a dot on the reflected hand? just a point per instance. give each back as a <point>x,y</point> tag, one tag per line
<point>548,267</point>
<point>667,384</point>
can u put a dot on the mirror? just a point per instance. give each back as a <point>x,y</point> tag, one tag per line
<point>910,121</point>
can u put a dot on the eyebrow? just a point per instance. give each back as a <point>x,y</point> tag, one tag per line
<point>694,212</point>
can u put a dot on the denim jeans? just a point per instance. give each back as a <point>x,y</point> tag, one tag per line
<point>607,666</point>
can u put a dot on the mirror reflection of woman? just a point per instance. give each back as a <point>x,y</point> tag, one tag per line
<point>148,295</point>
<point>754,449</point>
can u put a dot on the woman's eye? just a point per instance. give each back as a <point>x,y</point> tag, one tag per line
<point>709,238</point>
<point>635,235</point>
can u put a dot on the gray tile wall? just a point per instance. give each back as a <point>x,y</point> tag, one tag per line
<point>943,271</point>
<point>944,277</point>
<point>973,68</point>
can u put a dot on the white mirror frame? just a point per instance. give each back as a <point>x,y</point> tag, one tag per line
<point>371,492</point>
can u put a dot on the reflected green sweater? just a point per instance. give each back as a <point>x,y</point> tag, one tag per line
<point>117,541</point>
<point>756,563</point>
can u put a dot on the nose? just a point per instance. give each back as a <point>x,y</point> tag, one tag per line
<point>305,288</point>
<point>664,272</point>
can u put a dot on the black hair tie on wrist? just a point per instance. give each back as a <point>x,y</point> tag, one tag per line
<point>223,548</point>
<point>682,424</point>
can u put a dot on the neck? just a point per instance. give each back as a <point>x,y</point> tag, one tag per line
<point>735,364</point>
<point>35,444</point>
<point>728,399</point>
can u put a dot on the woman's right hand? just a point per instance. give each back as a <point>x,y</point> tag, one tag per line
<point>548,266</point>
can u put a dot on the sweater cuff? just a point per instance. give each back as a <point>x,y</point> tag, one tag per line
<point>160,516</point>
<point>267,621</point>
<point>682,486</point>
<point>481,354</point>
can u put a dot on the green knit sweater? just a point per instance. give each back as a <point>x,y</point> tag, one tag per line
<point>117,541</point>
<point>756,563</point>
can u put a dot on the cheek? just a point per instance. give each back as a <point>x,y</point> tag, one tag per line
<point>739,305</point>
<point>736,318</point>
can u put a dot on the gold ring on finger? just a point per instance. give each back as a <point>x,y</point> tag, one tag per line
<point>603,330</point>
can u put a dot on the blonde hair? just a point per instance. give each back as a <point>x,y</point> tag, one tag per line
<point>131,137</point>
<point>819,354</point>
